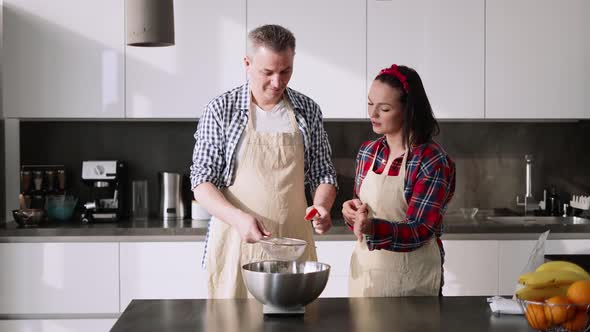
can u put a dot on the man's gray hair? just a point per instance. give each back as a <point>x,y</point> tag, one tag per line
<point>271,36</point>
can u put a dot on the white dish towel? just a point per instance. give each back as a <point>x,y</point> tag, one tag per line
<point>501,305</point>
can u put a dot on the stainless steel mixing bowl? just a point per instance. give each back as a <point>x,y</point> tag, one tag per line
<point>285,284</point>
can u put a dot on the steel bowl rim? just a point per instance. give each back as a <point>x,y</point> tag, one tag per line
<point>328,267</point>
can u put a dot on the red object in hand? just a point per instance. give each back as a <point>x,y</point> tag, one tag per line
<point>311,214</point>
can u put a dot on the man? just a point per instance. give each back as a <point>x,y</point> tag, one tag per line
<point>256,146</point>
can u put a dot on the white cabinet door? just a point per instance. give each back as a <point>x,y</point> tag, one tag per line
<point>537,59</point>
<point>162,270</point>
<point>442,40</point>
<point>59,278</point>
<point>471,268</point>
<point>513,256</point>
<point>336,254</point>
<point>63,59</point>
<point>207,60</point>
<point>567,247</point>
<point>330,55</point>
<point>57,325</point>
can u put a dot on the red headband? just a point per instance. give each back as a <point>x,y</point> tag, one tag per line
<point>394,71</point>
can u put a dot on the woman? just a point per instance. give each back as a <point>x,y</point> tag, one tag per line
<point>404,182</point>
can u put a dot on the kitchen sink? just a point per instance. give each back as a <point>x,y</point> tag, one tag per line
<point>539,220</point>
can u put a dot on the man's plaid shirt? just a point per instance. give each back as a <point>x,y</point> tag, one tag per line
<point>223,123</point>
<point>429,186</point>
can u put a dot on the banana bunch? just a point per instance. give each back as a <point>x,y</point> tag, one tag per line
<point>550,279</point>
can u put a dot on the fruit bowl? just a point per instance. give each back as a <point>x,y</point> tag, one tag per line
<point>29,217</point>
<point>556,317</point>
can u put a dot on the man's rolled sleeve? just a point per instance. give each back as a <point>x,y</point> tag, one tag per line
<point>321,167</point>
<point>208,154</point>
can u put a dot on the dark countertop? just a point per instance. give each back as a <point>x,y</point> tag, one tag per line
<point>455,227</point>
<point>150,227</point>
<point>407,314</point>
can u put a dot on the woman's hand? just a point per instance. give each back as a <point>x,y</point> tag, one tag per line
<point>349,209</point>
<point>362,224</point>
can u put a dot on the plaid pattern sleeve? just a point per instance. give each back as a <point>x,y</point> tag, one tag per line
<point>208,153</point>
<point>429,186</point>
<point>321,168</point>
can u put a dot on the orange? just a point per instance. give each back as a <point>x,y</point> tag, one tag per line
<point>578,323</point>
<point>562,311</point>
<point>579,292</point>
<point>535,314</point>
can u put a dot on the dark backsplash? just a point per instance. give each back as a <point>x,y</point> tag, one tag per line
<point>489,155</point>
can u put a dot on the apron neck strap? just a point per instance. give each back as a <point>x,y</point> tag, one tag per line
<point>288,105</point>
<point>390,161</point>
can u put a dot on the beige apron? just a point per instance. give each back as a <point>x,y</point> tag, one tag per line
<point>269,185</point>
<point>380,273</point>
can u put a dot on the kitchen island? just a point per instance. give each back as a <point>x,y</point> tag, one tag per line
<point>407,314</point>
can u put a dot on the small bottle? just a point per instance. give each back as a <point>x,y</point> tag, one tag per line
<point>552,207</point>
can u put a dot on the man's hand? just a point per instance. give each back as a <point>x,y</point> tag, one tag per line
<point>362,224</point>
<point>349,209</point>
<point>251,230</point>
<point>322,221</point>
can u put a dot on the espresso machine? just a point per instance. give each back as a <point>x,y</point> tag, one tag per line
<point>106,181</point>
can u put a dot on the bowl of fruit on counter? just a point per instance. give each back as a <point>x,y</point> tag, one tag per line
<point>556,297</point>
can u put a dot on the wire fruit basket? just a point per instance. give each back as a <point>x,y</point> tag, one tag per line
<point>552,317</point>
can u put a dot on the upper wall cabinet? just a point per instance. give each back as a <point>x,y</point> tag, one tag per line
<point>537,59</point>
<point>63,59</point>
<point>442,40</point>
<point>330,55</point>
<point>207,60</point>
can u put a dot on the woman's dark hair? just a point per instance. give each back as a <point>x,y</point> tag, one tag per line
<point>419,123</point>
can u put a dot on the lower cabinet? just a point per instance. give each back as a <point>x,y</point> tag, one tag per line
<point>470,267</point>
<point>102,278</point>
<point>59,278</point>
<point>161,270</point>
<point>57,325</point>
<point>513,257</point>
<point>567,247</point>
<point>337,255</point>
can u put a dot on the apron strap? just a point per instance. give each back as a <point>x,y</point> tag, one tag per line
<point>252,111</point>
<point>390,162</point>
<point>291,112</point>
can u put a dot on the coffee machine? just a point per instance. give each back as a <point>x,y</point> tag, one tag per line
<point>106,180</point>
